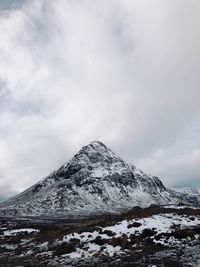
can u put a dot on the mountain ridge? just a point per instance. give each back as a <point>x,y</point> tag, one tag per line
<point>94,181</point>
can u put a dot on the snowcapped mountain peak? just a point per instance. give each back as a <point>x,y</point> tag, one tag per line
<point>97,151</point>
<point>94,181</point>
<point>97,145</point>
<point>95,158</point>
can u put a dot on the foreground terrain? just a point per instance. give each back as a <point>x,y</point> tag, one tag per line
<point>154,236</point>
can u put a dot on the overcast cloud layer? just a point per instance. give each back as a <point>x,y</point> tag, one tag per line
<point>123,72</point>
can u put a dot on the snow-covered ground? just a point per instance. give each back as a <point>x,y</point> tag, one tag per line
<point>17,231</point>
<point>131,237</point>
<point>161,224</point>
<point>89,245</point>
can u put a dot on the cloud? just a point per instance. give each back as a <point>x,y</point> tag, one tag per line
<point>10,4</point>
<point>124,72</point>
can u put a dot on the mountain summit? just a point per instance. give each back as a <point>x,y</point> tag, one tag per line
<point>94,181</point>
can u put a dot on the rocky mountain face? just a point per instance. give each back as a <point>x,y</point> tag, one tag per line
<point>190,193</point>
<point>94,181</point>
<point>189,190</point>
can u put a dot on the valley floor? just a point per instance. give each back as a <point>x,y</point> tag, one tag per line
<point>156,236</point>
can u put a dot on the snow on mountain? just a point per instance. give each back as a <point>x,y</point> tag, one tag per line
<point>190,193</point>
<point>189,190</point>
<point>94,181</point>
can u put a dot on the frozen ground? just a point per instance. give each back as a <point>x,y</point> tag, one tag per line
<point>142,237</point>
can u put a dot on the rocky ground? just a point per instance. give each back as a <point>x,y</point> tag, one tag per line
<point>156,236</point>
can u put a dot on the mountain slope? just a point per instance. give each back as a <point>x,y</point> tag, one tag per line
<point>191,193</point>
<point>95,181</point>
<point>189,190</point>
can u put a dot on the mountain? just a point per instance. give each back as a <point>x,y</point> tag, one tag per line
<point>94,181</point>
<point>189,190</point>
<point>190,193</point>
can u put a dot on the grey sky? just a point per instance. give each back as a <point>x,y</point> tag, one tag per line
<point>123,72</point>
<point>11,4</point>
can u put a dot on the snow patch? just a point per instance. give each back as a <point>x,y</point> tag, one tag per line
<point>17,231</point>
